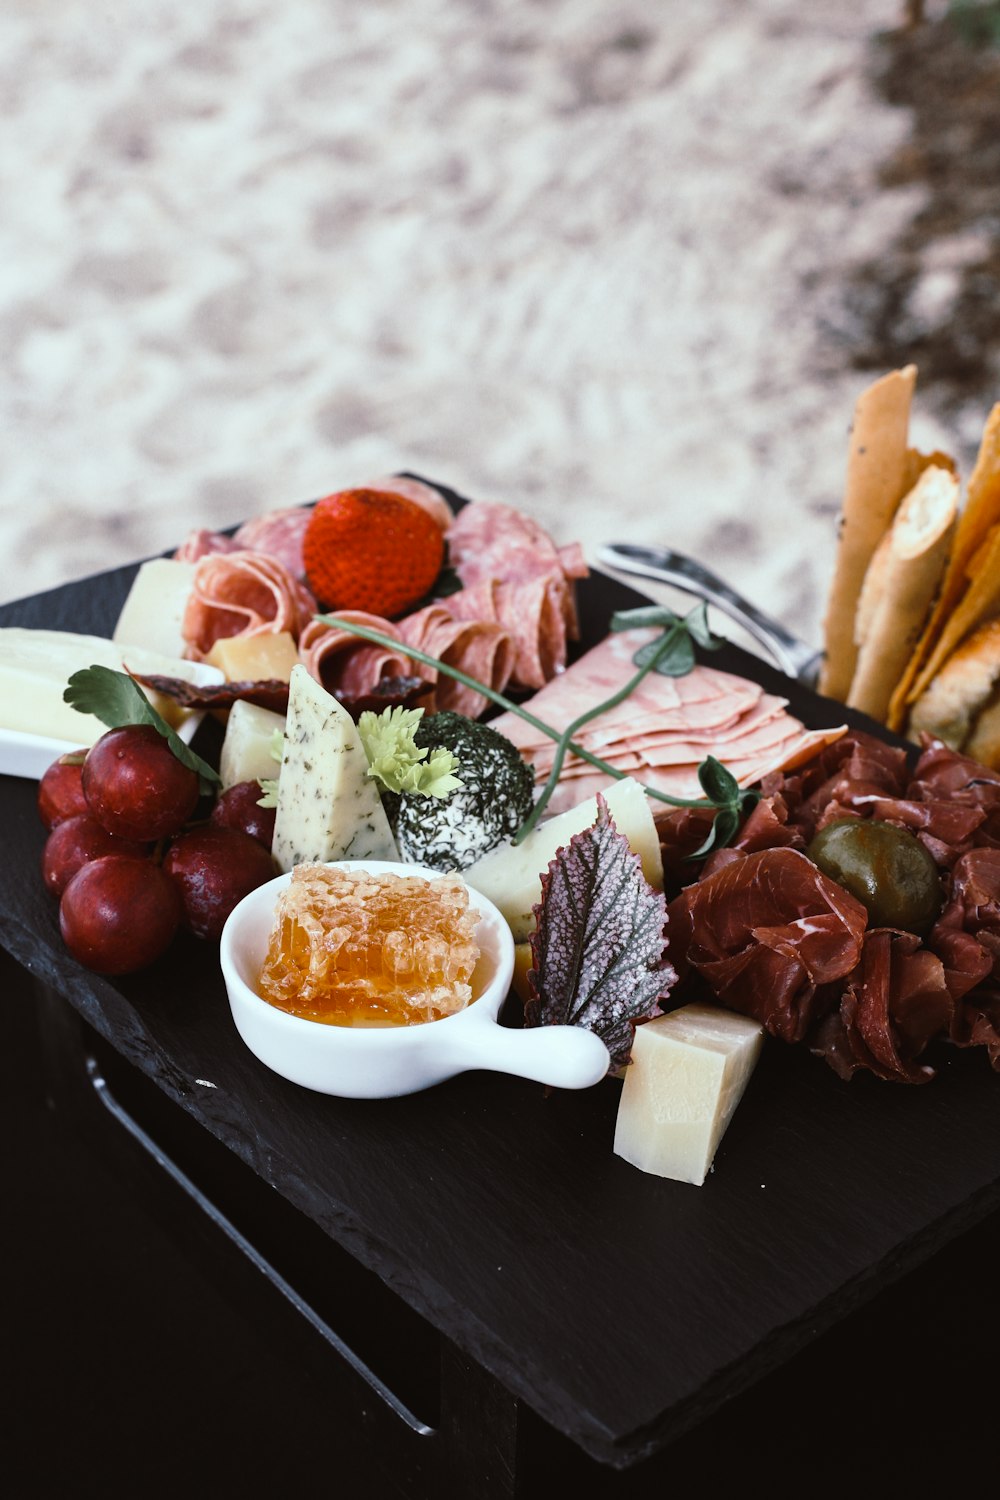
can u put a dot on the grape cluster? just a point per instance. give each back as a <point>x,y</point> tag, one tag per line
<point>130,861</point>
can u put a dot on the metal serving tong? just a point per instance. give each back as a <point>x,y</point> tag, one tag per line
<point>794,657</point>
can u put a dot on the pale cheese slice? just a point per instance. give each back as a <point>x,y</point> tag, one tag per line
<point>35,666</point>
<point>687,1075</point>
<point>328,806</point>
<point>255,658</point>
<point>247,750</point>
<point>153,611</point>
<point>511,876</point>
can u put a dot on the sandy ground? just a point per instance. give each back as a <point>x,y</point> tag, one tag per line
<point>582,257</point>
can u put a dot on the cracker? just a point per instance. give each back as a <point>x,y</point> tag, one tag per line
<point>968,593</point>
<point>877,474</point>
<point>900,586</point>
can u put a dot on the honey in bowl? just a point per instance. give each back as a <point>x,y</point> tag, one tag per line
<point>349,948</point>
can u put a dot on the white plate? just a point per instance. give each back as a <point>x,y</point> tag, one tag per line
<point>31,754</point>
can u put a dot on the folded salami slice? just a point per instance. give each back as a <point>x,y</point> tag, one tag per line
<point>347,666</point>
<point>201,543</point>
<point>242,593</point>
<point>480,648</point>
<point>279,533</point>
<point>534,599</point>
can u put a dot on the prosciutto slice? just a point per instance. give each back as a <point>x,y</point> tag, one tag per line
<point>242,593</point>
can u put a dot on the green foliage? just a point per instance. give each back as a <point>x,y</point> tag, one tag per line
<point>976,22</point>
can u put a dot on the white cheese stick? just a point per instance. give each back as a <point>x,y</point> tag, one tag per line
<point>688,1073</point>
<point>328,806</point>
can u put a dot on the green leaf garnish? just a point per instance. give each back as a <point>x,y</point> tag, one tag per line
<point>398,762</point>
<point>116,699</point>
<point>269,784</point>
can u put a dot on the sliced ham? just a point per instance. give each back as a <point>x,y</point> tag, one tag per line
<point>663,730</point>
<point>242,593</point>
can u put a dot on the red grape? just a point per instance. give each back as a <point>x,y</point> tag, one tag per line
<point>135,785</point>
<point>214,869</point>
<point>118,914</point>
<point>74,842</point>
<point>60,791</point>
<point>238,807</point>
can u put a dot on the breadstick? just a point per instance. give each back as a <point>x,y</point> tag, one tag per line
<point>876,483</point>
<point>899,588</point>
<point>971,590</point>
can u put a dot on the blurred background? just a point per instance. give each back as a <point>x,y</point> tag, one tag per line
<point>624,266</point>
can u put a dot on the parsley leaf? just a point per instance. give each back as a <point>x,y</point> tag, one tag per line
<point>116,699</point>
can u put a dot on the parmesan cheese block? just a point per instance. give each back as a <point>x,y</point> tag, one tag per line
<point>255,658</point>
<point>328,805</point>
<point>154,608</point>
<point>35,666</point>
<point>511,876</point>
<point>246,750</point>
<point>687,1074</point>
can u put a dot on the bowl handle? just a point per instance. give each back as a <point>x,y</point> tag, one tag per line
<point>565,1057</point>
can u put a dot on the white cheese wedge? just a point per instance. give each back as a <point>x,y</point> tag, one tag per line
<point>511,876</point>
<point>35,666</point>
<point>328,805</point>
<point>153,611</point>
<point>246,753</point>
<point>688,1073</point>
<point>255,658</point>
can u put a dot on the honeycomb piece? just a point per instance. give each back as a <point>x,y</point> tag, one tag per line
<point>353,949</point>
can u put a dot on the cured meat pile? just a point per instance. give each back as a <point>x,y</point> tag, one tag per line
<point>774,938</point>
<point>663,730</point>
<point>507,626</point>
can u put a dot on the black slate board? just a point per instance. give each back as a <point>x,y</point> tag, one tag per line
<point>620,1307</point>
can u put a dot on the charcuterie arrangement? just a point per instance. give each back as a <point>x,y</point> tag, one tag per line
<point>683,865</point>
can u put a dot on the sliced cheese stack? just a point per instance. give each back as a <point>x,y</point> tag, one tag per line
<point>328,806</point>
<point>688,1072</point>
<point>664,729</point>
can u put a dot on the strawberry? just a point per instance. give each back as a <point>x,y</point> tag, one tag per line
<point>367,549</point>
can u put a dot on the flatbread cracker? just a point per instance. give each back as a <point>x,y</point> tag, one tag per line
<point>968,557</point>
<point>877,480</point>
<point>900,587</point>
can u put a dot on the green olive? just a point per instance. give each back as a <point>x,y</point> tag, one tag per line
<point>887,868</point>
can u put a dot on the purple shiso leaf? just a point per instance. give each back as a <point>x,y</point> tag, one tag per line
<point>599,945</point>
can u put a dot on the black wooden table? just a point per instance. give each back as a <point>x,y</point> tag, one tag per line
<point>485,1287</point>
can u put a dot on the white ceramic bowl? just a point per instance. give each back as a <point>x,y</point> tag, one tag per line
<point>381,1062</point>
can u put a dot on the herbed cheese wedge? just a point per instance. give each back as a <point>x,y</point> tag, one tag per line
<point>246,750</point>
<point>328,806</point>
<point>153,611</point>
<point>688,1073</point>
<point>511,876</point>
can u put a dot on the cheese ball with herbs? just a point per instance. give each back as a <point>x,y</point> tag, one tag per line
<point>493,801</point>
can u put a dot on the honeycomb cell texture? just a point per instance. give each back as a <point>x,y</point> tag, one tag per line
<point>354,949</point>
